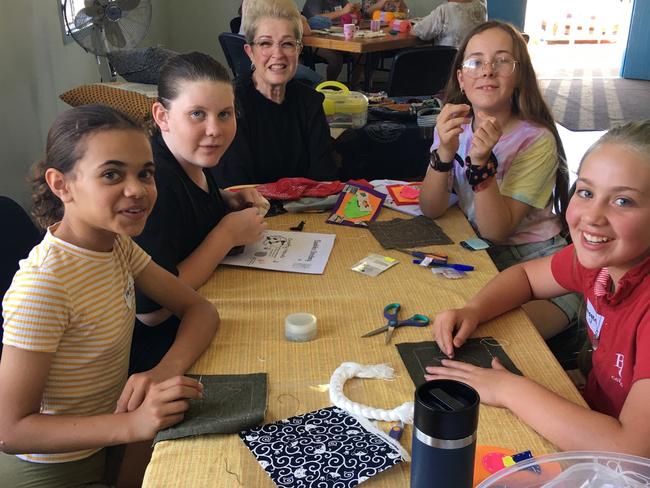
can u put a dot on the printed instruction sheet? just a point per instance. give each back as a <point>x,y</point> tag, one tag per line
<point>294,252</point>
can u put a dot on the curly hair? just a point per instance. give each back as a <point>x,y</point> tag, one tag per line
<point>527,102</point>
<point>65,146</point>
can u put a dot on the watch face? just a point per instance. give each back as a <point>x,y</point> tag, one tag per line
<point>438,165</point>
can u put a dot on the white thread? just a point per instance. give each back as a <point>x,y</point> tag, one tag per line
<point>403,413</point>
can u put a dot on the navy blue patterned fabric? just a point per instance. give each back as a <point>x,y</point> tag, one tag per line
<point>325,448</point>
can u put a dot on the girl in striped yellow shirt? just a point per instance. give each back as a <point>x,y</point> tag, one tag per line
<point>69,313</point>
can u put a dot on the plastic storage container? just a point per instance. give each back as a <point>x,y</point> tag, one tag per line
<point>584,469</point>
<point>343,108</point>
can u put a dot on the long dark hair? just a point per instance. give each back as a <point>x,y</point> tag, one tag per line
<point>65,146</point>
<point>527,102</point>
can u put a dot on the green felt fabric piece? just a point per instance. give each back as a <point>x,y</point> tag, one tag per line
<point>230,403</point>
<point>478,351</point>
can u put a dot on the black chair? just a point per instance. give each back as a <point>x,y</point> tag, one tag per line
<point>235,25</point>
<point>233,48</point>
<point>420,71</point>
<point>13,248</point>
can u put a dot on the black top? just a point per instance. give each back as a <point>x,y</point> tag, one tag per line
<point>317,7</point>
<point>24,236</point>
<point>276,141</point>
<point>183,216</point>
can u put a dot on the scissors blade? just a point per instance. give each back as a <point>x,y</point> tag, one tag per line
<point>378,330</point>
<point>389,333</point>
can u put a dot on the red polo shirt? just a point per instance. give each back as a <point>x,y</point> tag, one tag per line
<point>622,319</point>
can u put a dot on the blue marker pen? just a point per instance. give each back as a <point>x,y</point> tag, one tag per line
<point>434,264</point>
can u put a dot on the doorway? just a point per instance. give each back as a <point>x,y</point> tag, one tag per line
<point>578,38</point>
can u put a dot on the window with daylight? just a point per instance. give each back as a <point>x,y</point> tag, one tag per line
<point>68,10</point>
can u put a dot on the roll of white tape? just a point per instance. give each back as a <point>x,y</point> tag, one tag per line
<point>300,327</point>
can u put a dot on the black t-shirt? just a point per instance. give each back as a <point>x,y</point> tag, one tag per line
<point>183,216</point>
<point>276,141</point>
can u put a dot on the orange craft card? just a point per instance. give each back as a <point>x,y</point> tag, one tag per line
<point>405,194</point>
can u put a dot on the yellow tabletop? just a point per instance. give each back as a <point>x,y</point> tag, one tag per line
<point>252,304</point>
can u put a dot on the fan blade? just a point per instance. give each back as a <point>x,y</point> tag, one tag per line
<point>97,42</point>
<point>127,5</point>
<point>83,18</point>
<point>114,34</point>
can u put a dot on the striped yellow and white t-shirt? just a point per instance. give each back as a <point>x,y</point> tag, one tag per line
<point>78,305</point>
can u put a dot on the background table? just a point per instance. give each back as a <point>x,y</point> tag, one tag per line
<point>359,45</point>
<point>253,303</point>
<point>362,45</point>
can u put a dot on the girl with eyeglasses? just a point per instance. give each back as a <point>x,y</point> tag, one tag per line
<point>496,145</point>
<point>281,126</point>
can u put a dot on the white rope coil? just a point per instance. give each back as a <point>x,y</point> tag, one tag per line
<point>403,413</point>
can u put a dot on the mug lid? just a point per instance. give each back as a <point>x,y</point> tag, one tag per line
<point>446,409</point>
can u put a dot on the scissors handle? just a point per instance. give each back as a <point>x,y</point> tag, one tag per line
<point>390,312</point>
<point>418,320</point>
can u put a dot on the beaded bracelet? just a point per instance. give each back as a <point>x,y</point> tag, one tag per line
<point>476,175</point>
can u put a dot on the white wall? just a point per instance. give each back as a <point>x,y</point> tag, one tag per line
<point>36,67</point>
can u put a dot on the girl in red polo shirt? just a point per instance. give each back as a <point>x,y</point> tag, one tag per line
<point>609,221</point>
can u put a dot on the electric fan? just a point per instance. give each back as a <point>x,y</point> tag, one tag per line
<point>105,26</point>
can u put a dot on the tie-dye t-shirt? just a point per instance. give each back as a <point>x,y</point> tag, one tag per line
<point>527,164</point>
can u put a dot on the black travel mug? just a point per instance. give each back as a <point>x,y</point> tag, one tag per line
<point>444,435</point>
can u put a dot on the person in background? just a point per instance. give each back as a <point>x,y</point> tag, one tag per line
<point>450,22</point>
<point>609,263</point>
<point>333,10</point>
<point>282,130</point>
<point>303,73</point>
<point>368,7</point>
<point>495,143</point>
<point>194,224</point>
<point>68,314</point>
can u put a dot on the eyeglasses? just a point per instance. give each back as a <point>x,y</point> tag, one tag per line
<point>288,46</point>
<point>500,66</point>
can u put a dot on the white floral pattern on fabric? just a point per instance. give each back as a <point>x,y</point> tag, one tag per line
<point>325,448</point>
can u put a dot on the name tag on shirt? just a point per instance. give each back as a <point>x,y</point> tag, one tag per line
<point>594,320</point>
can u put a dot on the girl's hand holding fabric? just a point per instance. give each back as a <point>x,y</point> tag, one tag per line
<point>490,383</point>
<point>448,124</point>
<point>246,198</point>
<point>244,226</point>
<point>164,405</point>
<point>138,385</point>
<point>486,135</point>
<point>464,320</point>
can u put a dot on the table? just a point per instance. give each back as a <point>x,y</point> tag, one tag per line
<point>253,303</point>
<point>360,45</point>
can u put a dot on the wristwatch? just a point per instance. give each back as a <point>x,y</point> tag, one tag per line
<point>438,165</point>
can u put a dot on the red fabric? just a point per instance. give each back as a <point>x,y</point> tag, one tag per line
<point>622,354</point>
<point>295,188</point>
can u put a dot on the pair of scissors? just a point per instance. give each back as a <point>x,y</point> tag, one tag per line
<point>390,312</point>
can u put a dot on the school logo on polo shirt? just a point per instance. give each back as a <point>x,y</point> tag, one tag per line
<point>619,364</point>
